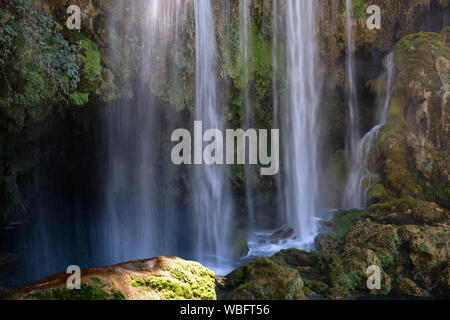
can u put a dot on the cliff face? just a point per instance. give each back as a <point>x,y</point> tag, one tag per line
<point>107,54</point>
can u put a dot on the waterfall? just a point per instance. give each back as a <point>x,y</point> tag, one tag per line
<point>140,217</point>
<point>245,50</point>
<point>211,192</point>
<point>353,129</point>
<point>360,178</point>
<point>300,120</point>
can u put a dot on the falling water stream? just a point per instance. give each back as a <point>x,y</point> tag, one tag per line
<point>245,44</point>
<point>211,190</point>
<point>138,217</point>
<point>351,200</point>
<point>300,120</point>
<point>360,178</point>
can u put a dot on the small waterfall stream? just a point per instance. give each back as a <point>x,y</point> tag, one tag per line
<point>360,178</point>
<point>351,200</point>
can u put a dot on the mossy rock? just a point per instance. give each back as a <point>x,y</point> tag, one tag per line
<point>317,287</point>
<point>344,221</point>
<point>377,194</point>
<point>296,258</point>
<point>162,278</point>
<point>263,279</point>
<point>238,244</point>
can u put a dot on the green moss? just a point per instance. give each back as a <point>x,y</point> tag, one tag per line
<point>377,194</point>
<point>238,244</point>
<point>359,8</point>
<point>244,286</point>
<point>353,280</point>
<point>395,205</point>
<point>80,98</point>
<point>91,72</point>
<point>317,286</point>
<point>86,292</point>
<point>345,220</point>
<point>386,262</point>
<point>181,280</point>
<point>413,58</point>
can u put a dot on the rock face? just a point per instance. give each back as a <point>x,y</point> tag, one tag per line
<point>162,278</point>
<point>263,279</point>
<point>414,146</point>
<point>410,257</point>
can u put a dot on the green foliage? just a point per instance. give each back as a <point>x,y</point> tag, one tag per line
<point>38,67</point>
<point>259,68</point>
<point>91,76</point>
<point>386,262</point>
<point>432,193</point>
<point>359,8</point>
<point>353,280</point>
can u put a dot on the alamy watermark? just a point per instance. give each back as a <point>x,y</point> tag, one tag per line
<point>74,280</point>
<point>74,21</point>
<point>374,277</point>
<point>235,151</point>
<point>374,21</point>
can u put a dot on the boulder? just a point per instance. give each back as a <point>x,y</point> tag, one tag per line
<point>161,278</point>
<point>281,234</point>
<point>263,279</point>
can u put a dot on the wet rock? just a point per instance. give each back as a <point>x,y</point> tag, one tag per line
<point>238,244</point>
<point>327,224</point>
<point>281,234</point>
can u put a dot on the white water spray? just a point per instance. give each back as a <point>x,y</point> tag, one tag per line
<point>300,120</point>
<point>360,178</point>
<point>212,199</point>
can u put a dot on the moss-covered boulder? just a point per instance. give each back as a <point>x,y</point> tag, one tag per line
<point>263,279</point>
<point>238,243</point>
<point>162,278</point>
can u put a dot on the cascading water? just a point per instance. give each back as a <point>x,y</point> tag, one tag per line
<point>351,200</point>
<point>360,178</point>
<point>212,198</point>
<point>139,219</point>
<point>300,120</point>
<point>245,50</point>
